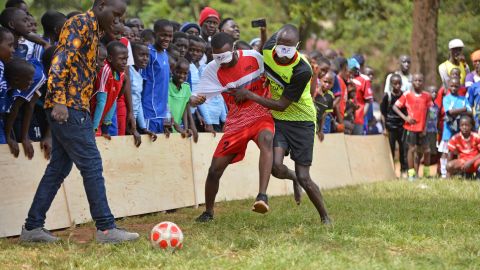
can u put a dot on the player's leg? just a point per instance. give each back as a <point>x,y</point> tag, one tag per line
<point>312,190</point>
<point>264,142</point>
<point>455,166</point>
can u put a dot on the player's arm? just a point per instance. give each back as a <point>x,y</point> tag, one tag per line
<point>276,105</point>
<point>27,117</point>
<point>12,143</point>
<point>37,39</point>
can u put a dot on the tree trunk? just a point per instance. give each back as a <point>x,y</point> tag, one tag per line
<point>424,39</point>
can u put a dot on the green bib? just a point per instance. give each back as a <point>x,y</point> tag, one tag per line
<point>303,109</point>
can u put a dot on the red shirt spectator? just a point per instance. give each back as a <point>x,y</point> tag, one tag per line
<point>363,96</point>
<point>417,107</point>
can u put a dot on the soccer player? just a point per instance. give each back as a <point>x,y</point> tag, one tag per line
<point>465,145</point>
<point>245,122</point>
<point>293,110</point>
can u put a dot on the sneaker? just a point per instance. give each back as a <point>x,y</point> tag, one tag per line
<point>38,235</point>
<point>204,217</point>
<point>261,204</point>
<point>411,175</point>
<point>297,192</point>
<point>115,235</point>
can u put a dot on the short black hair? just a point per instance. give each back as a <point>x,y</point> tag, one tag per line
<point>468,117</point>
<point>171,48</point>
<point>242,45</point>
<point>196,39</point>
<point>47,58</point>
<point>340,62</point>
<point>395,75</point>
<point>160,24</point>
<point>178,35</point>
<point>51,20</point>
<point>176,26</point>
<point>322,59</point>
<point>147,34</point>
<point>290,28</point>
<point>14,3</point>
<point>220,39</point>
<point>3,32</point>
<point>114,45</point>
<point>182,61</point>
<point>138,45</point>
<point>73,13</point>
<point>8,15</point>
<point>223,22</point>
<point>16,68</point>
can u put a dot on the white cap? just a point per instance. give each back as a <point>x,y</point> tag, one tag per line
<point>455,43</point>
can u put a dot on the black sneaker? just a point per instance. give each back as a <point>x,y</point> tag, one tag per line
<point>261,204</point>
<point>204,217</point>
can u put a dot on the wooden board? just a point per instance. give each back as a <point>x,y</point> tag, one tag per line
<point>19,180</point>
<point>370,158</point>
<point>239,181</point>
<point>154,177</point>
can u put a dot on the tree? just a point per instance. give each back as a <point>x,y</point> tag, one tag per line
<point>424,39</point>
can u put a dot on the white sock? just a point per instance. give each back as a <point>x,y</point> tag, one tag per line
<point>443,167</point>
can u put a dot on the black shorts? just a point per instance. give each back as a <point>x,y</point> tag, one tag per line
<point>297,138</point>
<point>415,138</point>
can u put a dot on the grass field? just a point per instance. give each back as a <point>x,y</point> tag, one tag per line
<point>430,224</point>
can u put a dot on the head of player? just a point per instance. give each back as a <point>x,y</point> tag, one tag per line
<point>223,52</point>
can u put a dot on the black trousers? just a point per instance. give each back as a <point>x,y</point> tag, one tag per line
<point>396,136</point>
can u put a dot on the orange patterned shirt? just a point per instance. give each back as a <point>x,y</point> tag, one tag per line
<point>73,70</point>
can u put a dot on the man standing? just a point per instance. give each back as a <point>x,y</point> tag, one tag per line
<point>404,73</point>
<point>70,87</point>
<point>455,47</point>
<point>294,113</point>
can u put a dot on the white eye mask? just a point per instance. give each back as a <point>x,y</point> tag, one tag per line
<point>285,51</point>
<point>223,58</point>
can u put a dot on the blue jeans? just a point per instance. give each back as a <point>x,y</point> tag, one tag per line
<point>72,142</point>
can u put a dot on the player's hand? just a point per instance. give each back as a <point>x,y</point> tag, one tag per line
<point>28,148</point>
<point>131,124</point>
<point>195,135</point>
<point>316,71</point>
<point>137,139</point>
<point>320,136</point>
<point>152,135</point>
<point>240,94</point>
<point>385,133</point>
<point>410,120</point>
<point>60,113</point>
<point>46,147</point>
<point>13,145</point>
<point>197,100</point>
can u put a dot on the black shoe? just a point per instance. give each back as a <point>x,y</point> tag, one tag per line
<point>261,204</point>
<point>297,192</point>
<point>204,217</point>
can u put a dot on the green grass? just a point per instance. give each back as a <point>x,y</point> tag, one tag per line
<point>430,224</point>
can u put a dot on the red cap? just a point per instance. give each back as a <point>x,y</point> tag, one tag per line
<point>206,13</point>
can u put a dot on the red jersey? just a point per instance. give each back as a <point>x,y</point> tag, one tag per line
<point>466,148</point>
<point>110,82</point>
<point>343,95</point>
<point>247,73</point>
<point>417,107</point>
<point>363,95</point>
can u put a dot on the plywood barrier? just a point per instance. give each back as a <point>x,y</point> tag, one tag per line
<point>171,173</point>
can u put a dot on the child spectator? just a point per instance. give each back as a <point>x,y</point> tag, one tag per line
<point>350,108</point>
<point>178,96</point>
<point>465,146</point>
<point>157,75</point>
<point>141,54</point>
<point>363,95</point>
<point>393,122</point>
<point>454,105</point>
<point>108,86</point>
<point>417,103</point>
<point>196,50</point>
<point>6,52</point>
<point>180,40</point>
<point>323,101</point>
<point>432,127</point>
<point>148,36</point>
<point>101,57</point>
<point>191,29</point>
<point>15,76</point>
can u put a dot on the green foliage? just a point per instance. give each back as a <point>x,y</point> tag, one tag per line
<point>391,225</point>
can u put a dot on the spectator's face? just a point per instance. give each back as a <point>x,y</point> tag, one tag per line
<point>192,31</point>
<point>324,68</point>
<point>418,83</point>
<point>6,47</point>
<point>433,92</point>
<point>102,55</point>
<point>128,33</point>
<point>231,28</point>
<point>327,82</point>
<point>396,84</point>
<point>21,23</point>
<point>118,59</point>
<point>136,22</point>
<point>465,126</point>
<point>110,14</point>
<point>163,37</point>
<point>180,73</point>
<point>456,53</point>
<point>370,73</point>
<point>196,51</point>
<point>405,63</point>
<point>210,26</point>
<point>141,56</point>
<point>33,24</point>
<point>182,45</point>
<point>135,34</point>
<point>455,73</point>
<point>454,85</point>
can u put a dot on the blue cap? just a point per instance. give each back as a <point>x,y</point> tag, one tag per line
<point>353,63</point>
<point>189,25</point>
<point>360,59</point>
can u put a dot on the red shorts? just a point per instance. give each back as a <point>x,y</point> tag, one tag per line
<point>235,143</point>
<point>458,163</point>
